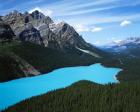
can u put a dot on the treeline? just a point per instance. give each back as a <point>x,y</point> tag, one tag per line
<point>129,65</point>
<point>9,67</point>
<point>43,59</point>
<point>85,96</point>
<point>46,59</point>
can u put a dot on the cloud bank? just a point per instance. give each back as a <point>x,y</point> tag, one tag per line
<point>125,23</point>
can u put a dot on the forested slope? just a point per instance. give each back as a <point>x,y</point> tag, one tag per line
<point>85,96</point>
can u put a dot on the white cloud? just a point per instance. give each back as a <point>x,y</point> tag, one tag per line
<point>94,6</point>
<point>86,28</point>
<point>81,28</point>
<point>97,43</point>
<point>95,20</point>
<point>45,11</point>
<point>37,8</point>
<point>125,23</point>
<point>117,40</point>
<point>96,29</point>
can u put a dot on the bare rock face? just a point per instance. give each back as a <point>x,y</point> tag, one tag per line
<point>37,18</point>
<point>36,15</point>
<point>67,37</point>
<point>49,38</point>
<point>6,33</point>
<point>18,20</point>
<point>40,29</point>
<point>20,25</point>
<point>0,18</point>
<point>31,34</point>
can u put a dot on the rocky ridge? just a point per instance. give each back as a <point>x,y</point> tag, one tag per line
<point>129,47</point>
<point>6,33</point>
<point>37,28</point>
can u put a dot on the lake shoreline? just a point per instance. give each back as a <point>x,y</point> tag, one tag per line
<point>57,79</point>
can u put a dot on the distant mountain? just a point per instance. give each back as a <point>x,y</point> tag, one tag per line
<point>129,47</point>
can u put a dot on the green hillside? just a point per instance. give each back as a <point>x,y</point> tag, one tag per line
<point>130,67</point>
<point>82,96</point>
<point>41,58</point>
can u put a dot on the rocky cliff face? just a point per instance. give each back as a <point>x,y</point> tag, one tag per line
<point>37,18</point>
<point>6,33</point>
<point>49,37</point>
<point>31,34</point>
<point>40,29</point>
<point>18,20</point>
<point>68,37</point>
<point>15,20</point>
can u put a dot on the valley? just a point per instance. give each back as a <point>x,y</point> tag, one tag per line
<point>41,57</point>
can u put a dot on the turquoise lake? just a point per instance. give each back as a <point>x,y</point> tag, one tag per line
<point>17,90</point>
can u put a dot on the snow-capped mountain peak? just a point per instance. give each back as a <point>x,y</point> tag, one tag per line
<point>129,47</point>
<point>127,41</point>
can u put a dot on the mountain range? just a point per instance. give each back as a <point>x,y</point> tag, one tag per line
<point>128,47</point>
<point>40,29</point>
<point>34,44</point>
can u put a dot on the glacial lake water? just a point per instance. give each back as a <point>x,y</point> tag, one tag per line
<point>17,90</point>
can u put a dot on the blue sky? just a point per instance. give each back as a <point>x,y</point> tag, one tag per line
<point>98,21</point>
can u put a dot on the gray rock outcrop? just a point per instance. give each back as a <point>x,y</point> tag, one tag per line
<point>31,34</point>
<point>37,28</point>
<point>6,33</point>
